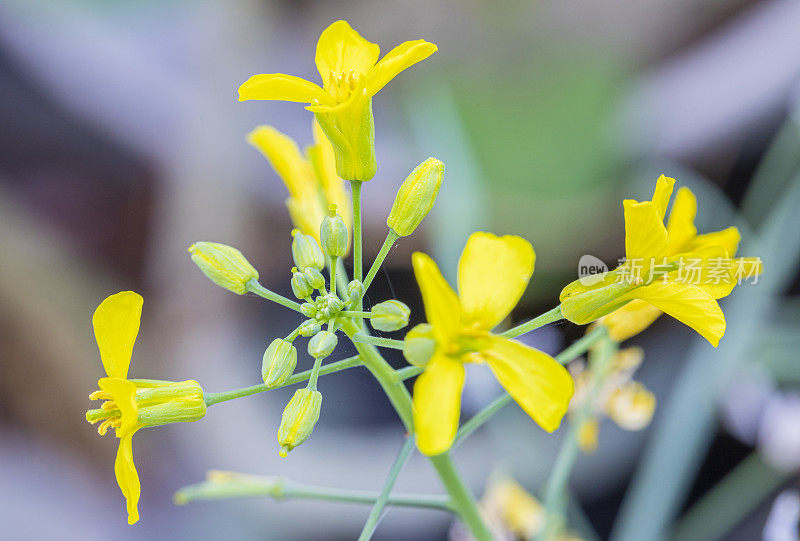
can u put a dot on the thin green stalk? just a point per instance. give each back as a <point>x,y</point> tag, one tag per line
<point>250,486</point>
<point>535,323</point>
<point>353,313</point>
<point>409,372</point>
<point>462,498</point>
<point>730,500</point>
<point>216,398</point>
<point>355,186</point>
<point>341,277</point>
<point>391,238</point>
<point>572,352</point>
<point>556,491</point>
<point>377,341</point>
<point>254,287</point>
<point>383,498</point>
<point>312,380</point>
<point>332,271</point>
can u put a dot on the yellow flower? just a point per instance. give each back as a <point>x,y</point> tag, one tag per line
<point>492,275</point>
<point>312,180</point>
<point>668,269</point>
<point>130,404</point>
<point>628,403</point>
<point>351,75</point>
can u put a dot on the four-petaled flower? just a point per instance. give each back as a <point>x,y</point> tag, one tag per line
<point>130,404</point>
<point>351,75</point>
<point>492,275</point>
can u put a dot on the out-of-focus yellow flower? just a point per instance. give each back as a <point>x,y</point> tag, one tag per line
<point>130,404</point>
<point>351,75</point>
<point>492,275</point>
<point>628,403</point>
<point>312,181</point>
<point>512,512</point>
<point>671,269</point>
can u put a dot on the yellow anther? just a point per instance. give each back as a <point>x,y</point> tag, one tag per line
<point>104,426</point>
<point>109,405</point>
<point>100,395</point>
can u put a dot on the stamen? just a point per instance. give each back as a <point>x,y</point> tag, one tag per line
<point>99,395</point>
<point>110,405</point>
<point>104,426</point>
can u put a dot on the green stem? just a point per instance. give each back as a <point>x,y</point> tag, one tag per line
<point>332,271</point>
<point>216,398</point>
<point>535,323</point>
<point>353,313</point>
<point>462,501</point>
<point>730,500</point>
<point>312,380</point>
<point>383,498</point>
<point>341,276</point>
<point>391,238</point>
<point>461,496</point>
<point>254,287</point>
<point>572,352</point>
<point>355,186</point>
<point>409,372</point>
<point>377,341</point>
<point>247,486</point>
<point>555,493</point>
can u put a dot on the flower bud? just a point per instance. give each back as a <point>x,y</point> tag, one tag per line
<point>309,327</point>
<point>308,309</point>
<point>328,306</point>
<point>306,252</point>
<point>415,197</point>
<point>389,316</point>
<point>355,290</point>
<point>300,286</point>
<point>322,344</point>
<point>279,362</point>
<point>583,304</point>
<point>225,266</point>
<point>419,345</point>
<point>333,234</point>
<point>298,419</point>
<point>314,278</point>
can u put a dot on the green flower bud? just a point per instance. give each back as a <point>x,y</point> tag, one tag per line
<point>389,316</point>
<point>333,234</point>
<point>225,266</point>
<point>314,278</point>
<point>298,419</point>
<point>306,252</point>
<point>308,309</point>
<point>279,362</point>
<point>355,290</point>
<point>415,197</point>
<point>309,327</point>
<point>583,304</point>
<point>328,306</point>
<point>300,286</point>
<point>419,345</point>
<point>322,344</point>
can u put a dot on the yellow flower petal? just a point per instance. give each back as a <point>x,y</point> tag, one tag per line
<point>116,324</point>
<point>539,384</point>
<point>437,404</point>
<point>680,226</point>
<point>493,272</point>
<point>645,234</point>
<point>630,320</point>
<point>282,87</point>
<point>727,238</point>
<point>283,154</point>
<point>128,478</point>
<point>662,193</point>
<point>342,51</point>
<point>441,303</point>
<point>689,304</point>
<point>398,59</point>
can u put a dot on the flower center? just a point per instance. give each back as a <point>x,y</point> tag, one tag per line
<point>340,85</point>
<point>108,413</point>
